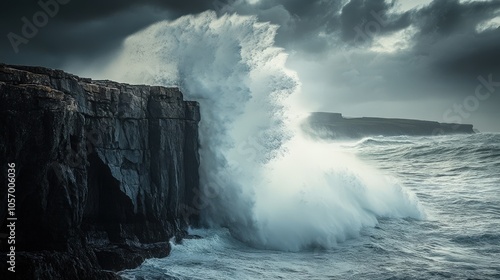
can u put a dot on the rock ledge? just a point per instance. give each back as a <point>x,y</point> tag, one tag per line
<point>104,171</point>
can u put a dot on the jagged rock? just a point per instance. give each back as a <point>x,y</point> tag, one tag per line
<point>104,170</point>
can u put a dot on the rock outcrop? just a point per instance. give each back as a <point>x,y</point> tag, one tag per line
<point>335,126</point>
<point>104,172</point>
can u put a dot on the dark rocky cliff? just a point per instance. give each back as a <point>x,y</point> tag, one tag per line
<point>335,126</point>
<point>104,171</point>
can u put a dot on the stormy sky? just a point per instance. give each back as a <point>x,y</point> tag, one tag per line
<point>435,60</point>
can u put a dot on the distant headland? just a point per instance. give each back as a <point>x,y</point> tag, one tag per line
<point>335,126</point>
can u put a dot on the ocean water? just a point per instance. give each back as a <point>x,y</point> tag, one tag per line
<point>250,138</point>
<point>280,205</point>
<point>457,181</point>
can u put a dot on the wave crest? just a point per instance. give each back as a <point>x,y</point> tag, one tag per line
<point>267,183</point>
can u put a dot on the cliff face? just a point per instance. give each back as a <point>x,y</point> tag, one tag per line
<point>104,171</point>
<point>334,126</point>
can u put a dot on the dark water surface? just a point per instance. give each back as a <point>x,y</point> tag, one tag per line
<point>457,180</point>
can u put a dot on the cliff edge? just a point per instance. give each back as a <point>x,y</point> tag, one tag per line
<point>335,126</point>
<point>104,172</point>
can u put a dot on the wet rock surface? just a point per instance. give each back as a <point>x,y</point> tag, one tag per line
<point>104,171</point>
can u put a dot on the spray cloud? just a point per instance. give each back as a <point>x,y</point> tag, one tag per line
<point>273,187</point>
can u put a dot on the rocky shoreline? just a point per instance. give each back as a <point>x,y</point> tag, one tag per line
<point>104,172</point>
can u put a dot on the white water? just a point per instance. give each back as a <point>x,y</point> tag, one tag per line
<point>271,187</point>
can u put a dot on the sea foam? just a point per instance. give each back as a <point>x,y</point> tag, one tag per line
<point>271,186</point>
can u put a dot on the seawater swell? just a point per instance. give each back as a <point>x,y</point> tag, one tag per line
<point>467,152</point>
<point>459,238</point>
<point>272,187</point>
<point>459,171</point>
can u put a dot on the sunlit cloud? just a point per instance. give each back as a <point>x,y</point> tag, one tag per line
<point>397,41</point>
<point>491,24</point>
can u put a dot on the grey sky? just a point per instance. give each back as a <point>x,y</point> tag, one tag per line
<point>411,59</point>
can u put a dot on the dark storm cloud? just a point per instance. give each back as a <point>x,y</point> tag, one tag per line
<point>331,43</point>
<point>447,34</point>
<point>85,27</point>
<point>301,22</point>
<point>317,25</point>
<point>78,10</point>
<point>370,16</point>
<point>80,28</point>
<point>436,72</point>
<point>446,17</point>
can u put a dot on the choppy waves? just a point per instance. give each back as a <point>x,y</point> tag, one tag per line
<point>272,187</point>
<point>458,240</point>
